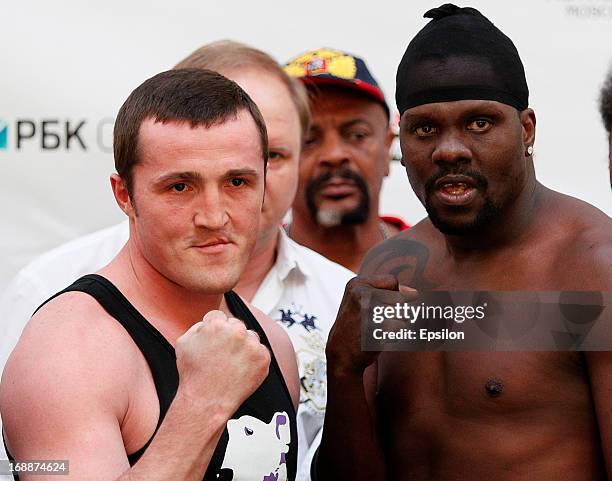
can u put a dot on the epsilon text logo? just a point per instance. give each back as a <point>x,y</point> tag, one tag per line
<point>3,135</point>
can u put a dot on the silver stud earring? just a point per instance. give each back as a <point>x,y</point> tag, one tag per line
<point>530,150</point>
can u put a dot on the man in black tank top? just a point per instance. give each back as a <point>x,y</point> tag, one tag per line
<point>147,370</point>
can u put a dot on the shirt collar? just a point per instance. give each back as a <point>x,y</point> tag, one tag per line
<point>288,257</point>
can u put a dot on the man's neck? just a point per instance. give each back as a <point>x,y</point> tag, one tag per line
<point>344,244</point>
<point>512,226</point>
<point>260,262</point>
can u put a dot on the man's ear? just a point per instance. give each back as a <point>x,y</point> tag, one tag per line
<point>528,121</point>
<point>389,137</point>
<point>122,197</point>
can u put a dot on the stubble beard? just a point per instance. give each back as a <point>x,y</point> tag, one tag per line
<point>485,215</point>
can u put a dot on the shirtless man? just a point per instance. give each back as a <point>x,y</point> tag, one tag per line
<point>467,140</point>
<point>122,378</point>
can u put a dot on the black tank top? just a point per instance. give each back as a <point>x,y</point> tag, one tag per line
<point>253,445</point>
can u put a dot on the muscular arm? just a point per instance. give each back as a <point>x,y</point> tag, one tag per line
<point>349,447</point>
<point>600,372</point>
<point>599,364</point>
<point>67,388</point>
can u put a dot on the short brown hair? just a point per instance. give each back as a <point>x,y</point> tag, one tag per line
<point>200,97</point>
<point>226,55</point>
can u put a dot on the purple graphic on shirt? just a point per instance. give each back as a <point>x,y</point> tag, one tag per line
<point>281,420</point>
<point>256,450</point>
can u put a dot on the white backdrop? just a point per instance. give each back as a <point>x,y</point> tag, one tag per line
<point>77,61</point>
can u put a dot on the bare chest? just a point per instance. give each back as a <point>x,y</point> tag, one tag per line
<point>471,383</point>
<point>443,414</point>
<point>503,271</point>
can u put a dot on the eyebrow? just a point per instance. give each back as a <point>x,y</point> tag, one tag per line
<point>481,109</point>
<point>241,172</point>
<point>173,176</point>
<point>197,177</point>
<point>345,125</point>
<point>408,117</point>
<point>352,123</point>
<point>280,146</point>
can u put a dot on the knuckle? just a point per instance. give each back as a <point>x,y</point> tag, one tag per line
<point>353,283</point>
<point>215,315</point>
<point>360,291</point>
<point>181,341</point>
<point>266,357</point>
<point>263,354</point>
<point>239,330</point>
<point>253,337</point>
<point>214,323</point>
<point>379,279</point>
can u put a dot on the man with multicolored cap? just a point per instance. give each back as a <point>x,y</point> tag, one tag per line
<point>345,157</point>
<point>467,139</point>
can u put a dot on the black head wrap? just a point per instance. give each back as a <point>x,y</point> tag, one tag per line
<point>460,55</point>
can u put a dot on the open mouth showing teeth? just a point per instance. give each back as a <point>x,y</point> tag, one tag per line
<point>456,192</point>
<point>455,188</point>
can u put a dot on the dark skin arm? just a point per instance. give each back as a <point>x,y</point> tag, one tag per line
<point>349,428</point>
<point>349,447</point>
<point>600,363</point>
<point>600,370</point>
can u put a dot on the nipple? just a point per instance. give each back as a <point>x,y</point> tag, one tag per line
<point>494,387</point>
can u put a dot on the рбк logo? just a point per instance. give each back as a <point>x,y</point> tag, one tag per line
<point>3,135</point>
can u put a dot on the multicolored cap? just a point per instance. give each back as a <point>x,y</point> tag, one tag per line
<point>325,66</point>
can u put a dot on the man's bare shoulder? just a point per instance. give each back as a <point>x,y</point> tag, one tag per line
<point>279,339</point>
<point>586,234</point>
<point>283,350</point>
<point>71,346</point>
<point>270,327</point>
<point>578,210</point>
<point>75,321</point>
<point>406,254</point>
<point>592,250</point>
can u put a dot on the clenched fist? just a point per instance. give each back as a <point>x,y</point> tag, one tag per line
<point>219,358</point>
<point>344,353</point>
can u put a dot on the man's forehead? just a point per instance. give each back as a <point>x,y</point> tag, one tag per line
<point>175,133</point>
<point>168,127</point>
<point>345,105</point>
<point>458,107</point>
<point>173,141</point>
